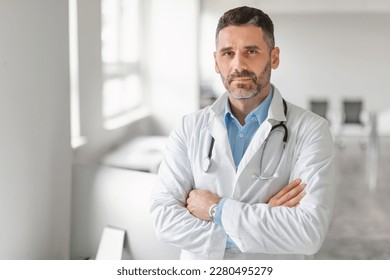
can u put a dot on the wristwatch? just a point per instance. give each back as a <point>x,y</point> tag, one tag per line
<point>213,211</point>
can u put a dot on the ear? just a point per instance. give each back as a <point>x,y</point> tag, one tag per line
<point>216,64</point>
<point>275,58</point>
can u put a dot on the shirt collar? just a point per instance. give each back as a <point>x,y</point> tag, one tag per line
<point>260,112</point>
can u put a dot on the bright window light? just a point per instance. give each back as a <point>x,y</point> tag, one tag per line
<point>76,138</point>
<point>120,57</point>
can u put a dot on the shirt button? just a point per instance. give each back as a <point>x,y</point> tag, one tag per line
<point>241,135</point>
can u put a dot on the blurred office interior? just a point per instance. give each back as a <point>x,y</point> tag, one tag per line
<point>90,90</point>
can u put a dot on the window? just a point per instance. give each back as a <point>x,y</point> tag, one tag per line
<point>122,87</point>
<point>77,139</point>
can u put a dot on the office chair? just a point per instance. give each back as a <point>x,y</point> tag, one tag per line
<point>352,117</point>
<point>352,112</point>
<point>319,107</point>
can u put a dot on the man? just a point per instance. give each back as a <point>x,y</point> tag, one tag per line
<point>224,189</point>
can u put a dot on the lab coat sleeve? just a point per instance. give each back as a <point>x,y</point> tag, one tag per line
<point>173,223</point>
<point>260,228</point>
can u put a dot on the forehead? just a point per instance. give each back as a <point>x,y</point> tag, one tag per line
<point>248,34</point>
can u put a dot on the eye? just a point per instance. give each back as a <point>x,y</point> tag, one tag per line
<point>228,53</point>
<point>252,52</point>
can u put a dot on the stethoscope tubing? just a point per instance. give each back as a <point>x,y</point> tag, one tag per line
<point>207,160</point>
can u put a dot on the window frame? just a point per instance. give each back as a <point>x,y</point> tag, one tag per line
<point>122,70</point>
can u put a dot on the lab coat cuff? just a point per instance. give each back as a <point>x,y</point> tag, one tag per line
<point>218,213</point>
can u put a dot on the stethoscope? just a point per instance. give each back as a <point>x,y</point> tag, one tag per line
<point>207,160</point>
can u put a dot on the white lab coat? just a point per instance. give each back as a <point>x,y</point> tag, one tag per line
<point>259,230</point>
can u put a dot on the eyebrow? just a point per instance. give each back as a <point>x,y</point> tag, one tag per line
<point>254,47</point>
<point>251,47</point>
<point>225,49</point>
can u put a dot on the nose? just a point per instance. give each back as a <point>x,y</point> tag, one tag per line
<point>239,63</point>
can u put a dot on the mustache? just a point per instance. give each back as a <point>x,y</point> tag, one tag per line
<point>242,74</point>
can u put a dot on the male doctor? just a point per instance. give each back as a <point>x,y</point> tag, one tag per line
<point>249,177</point>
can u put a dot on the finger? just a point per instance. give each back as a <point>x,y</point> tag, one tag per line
<point>275,201</point>
<point>189,199</point>
<point>292,193</point>
<point>288,188</point>
<point>283,201</point>
<point>192,193</point>
<point>295,201</point>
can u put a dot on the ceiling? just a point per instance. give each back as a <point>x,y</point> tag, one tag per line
<point>301,6</point>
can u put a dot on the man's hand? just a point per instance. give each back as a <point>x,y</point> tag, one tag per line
<point>290,195</point>
<point>199,202</point>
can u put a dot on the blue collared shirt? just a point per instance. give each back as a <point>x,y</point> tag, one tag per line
<point>240,136</point>
<point>239,139</point>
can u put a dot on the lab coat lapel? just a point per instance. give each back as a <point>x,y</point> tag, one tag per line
<point>217,128</point>
<point>275,115</point>
<point>257,141</point>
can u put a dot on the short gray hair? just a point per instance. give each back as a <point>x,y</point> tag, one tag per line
<point>247,15</point>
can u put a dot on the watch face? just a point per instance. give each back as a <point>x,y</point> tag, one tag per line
<point>212,211</point>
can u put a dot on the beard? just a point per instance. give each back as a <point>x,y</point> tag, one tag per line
<point>246,90</point>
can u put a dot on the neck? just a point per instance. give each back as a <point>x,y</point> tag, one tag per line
<point>242,107</point>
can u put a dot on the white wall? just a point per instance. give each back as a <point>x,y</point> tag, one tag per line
<point>173,60</point>
<point>334,56</point>
<point>35,152</point>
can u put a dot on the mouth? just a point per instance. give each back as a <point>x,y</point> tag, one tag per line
<point>241,79</point>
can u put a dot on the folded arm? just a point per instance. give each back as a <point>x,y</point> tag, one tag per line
<point>293,221</point>
<point>173,223</point>
<point>261,228</point>
<point>200,201</point>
